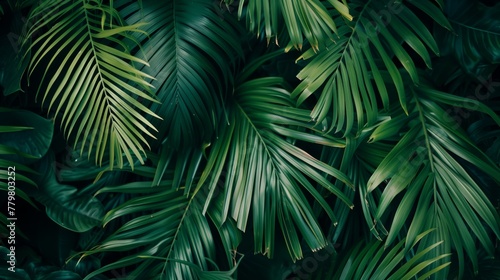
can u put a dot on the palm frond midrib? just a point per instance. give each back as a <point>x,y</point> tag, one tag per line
<point>256,131</point>
<point>93,79</point>
<point>99,71</point>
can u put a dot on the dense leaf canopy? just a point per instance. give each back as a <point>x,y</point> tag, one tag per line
<point>250,139</point>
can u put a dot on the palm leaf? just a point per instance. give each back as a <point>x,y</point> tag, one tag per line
<point>88,76</point>
<point>24,138</point>
<point>173,239</point>
<point>358,163</point>
<point>424,169</point>
<point>350,73</point>
<point>201,274</point>
<point>470,54</point>
<point>371,260</point>
<point>476,37</point>
<point>190,49</point>
<point>486,134</point>
<point>309,19</point>
<point>263,172</point>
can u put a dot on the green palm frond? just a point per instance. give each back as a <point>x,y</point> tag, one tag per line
<point>172,238</point>
<point>355,71</point>
<point>190,49</point>
<point>476,37</point>
<point>489,268</point>
<point>86,73</point>
<point>202,274</point>
<point>309,19</point>
<point>264,174</point>
<point>371,260</point>
<point>351,225</point>
<point>186,162</point>
<point>424,170</point>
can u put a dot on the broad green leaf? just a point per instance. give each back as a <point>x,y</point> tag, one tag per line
<point>14,273</point>
<point>24,136</point>
<point>64,204</point>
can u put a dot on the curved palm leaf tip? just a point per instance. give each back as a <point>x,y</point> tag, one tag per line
<point>88,77</point>
<point>191,49</point>
<point>365,51</point>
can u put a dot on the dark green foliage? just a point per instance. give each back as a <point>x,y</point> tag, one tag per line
<point>176,139</point>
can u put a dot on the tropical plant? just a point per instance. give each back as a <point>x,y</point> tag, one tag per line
<point>177,139</point>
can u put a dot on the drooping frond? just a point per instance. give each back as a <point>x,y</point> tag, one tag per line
<point>424,173</point>
<point>264,175</point>
<point>309,19</point>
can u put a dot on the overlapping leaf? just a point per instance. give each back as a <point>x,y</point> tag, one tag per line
<point>351,73</point>
<point>190,49</point>
<point>475,39</point>
<point>264,175</point>
<point>309,19</point>
<point>423,171</point>
<point>357,163</point>
<point>24,138</point>
<point>64,204</point>
<point>85,72</point>
<point>371,260</point>
<point>172,238</point>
